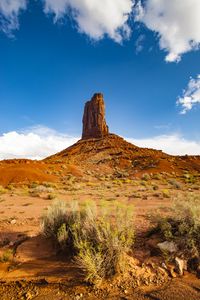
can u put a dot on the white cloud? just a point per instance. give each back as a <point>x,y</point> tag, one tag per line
<point>172,144</point>
<point>34,143</point>
<point>175,21</point>
<point>9,14</point>
<point>96,18</point>
<point>39,142</point>
<point>191,96</point>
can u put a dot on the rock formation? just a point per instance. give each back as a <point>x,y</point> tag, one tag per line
<point>94,123</point>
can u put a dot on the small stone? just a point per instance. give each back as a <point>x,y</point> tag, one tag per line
<point>172,272</point>
<point>13,222</point>
<point>181,265</point>
<point>28,296</point>
<point>167,246</point>
<point>164,266</point>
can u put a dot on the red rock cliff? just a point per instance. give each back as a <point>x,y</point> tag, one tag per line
<point>94,123</point>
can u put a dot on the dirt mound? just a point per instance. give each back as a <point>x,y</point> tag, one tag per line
<point>112,154</point>
<point>102,156</point>
<point>23,171</point>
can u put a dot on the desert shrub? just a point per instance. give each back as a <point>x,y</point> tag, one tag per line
<point>6,256</point>
<point>59,222</point>
<point>127,181</point>
<point>117,182</point>
<point>102,241</point>
<point>2,190</point>
<point>10,187</point>
<point>146,177</point>
<point>183,225</point>
<point>97,238</point>
<point>189,178</point>
<point>34,184</point>
<point>144,183</point>
<point>44,189</point>
<point>36,191</point>
<point>53,219</point>
<point>50,185</point>
<point>51,196</point>
<point>62,236</point>
<point>175,184</point>
<point>155,187</point>
<point>157,176</point>
<point>166,193</point>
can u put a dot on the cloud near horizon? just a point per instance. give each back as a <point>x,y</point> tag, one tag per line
<point>173,144</point>
<point>175,22</point>
<point>39,142</point>
<point>34,143</point>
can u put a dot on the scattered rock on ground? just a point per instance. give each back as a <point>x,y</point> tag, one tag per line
<point>168,246</point>
<point>181,265</point>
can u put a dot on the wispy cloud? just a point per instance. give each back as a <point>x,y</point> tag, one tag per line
<point>95,18</point>
<point>139,43</point>
<point>175,22</point>
<point>39,142</point>
<point>191,96</point>
<point>9,15</point>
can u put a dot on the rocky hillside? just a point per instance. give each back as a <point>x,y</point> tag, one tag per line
<point>101,152</point>
<point>98,153</point>
<point>113,155</point>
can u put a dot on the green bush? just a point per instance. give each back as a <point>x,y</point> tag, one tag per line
<point>183,225</point>
<point>98,238</point>
<point>6,256</point>
<point>189,178</point>
<point>2,190</point>
<point>175,184</point>
<point>53,219</point>
<point>51,196</point>
<point>146,177</point>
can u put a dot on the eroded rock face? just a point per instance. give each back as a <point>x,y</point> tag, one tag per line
<point>94,123</point>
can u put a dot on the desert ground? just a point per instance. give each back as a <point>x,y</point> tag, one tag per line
<point>30,266</point>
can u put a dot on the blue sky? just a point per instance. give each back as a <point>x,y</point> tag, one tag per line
<point>53,60</point>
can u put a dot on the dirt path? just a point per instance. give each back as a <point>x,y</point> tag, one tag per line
<point>187,288</point>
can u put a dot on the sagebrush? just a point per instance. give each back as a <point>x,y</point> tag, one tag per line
<point>182,225</point>
<point>97,237</point>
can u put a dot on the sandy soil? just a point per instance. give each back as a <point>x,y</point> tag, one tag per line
<point>186,288</point>
<point>36,272</point>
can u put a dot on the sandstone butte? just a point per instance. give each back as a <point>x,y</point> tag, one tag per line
<point>94,122</point>
<point>98,153</point>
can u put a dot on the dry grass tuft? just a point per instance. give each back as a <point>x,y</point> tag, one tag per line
<point>182,225</point>
<point>97,237</point>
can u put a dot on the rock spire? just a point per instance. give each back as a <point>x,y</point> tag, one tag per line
<point>94,123</point>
